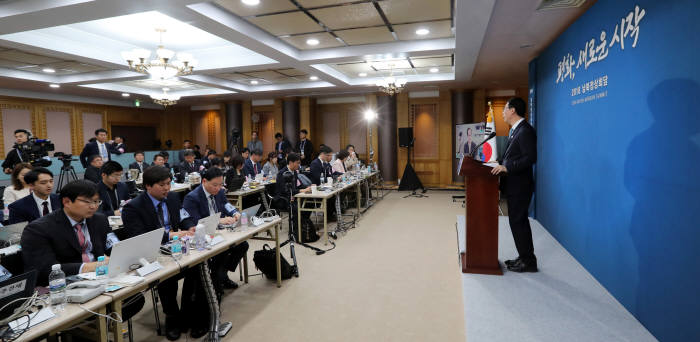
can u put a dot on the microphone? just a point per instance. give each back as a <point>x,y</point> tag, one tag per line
<point>493,134</point>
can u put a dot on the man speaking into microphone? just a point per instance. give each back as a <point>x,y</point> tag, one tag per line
<point>517,182</point>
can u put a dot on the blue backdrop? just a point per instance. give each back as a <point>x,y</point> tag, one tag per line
<point>619,155</point>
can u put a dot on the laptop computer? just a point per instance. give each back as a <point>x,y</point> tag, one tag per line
<point>250,212</point>
<point>128,252</point>
<point>20,286</point>
<point>12,232</point>
<point>211,223</point>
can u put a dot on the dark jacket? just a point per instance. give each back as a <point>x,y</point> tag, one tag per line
<point>317,169</point>
<point>140,216</point>
<point>520,155</point>
<point>285,146</point>
<point>233,180</point>
<point>248,169</point>
<point>308,151</point>
<point>186,168</point>
<point>282,190</point>
<point>91,149</point>
<point>197,204</point>
<point>25,209</point>
<point>116,147</point>
<point>122,191</point>
<point>93,174</point>
<point>135,166</point>
<point>12,159</point>
<point>52,240</point>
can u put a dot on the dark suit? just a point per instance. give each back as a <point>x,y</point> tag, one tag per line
<point>308,149</point>
<point>135,166</point>
<point>282,190</point>
<point>52,240</point>
<point>234,181</point>
<point>319,168</point>
<point>91,149</point>
<point>25,209</point>
<point>140,216</point>
<point>116,147</point>
<point>249,170</point>
<point>93,174</point>
<point>122,193</point>
<point>282,147</point>
<point>185,167</point>
<point>12,159</point>
<point>518,184</point>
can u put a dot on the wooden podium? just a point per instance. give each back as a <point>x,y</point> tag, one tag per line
<point>481,189</point>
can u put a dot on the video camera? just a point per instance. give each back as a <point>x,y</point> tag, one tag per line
<point>65,158</point>
<point>36,151</point>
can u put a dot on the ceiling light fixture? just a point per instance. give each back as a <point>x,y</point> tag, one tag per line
<point>422,31</point>
<point>251,2</point>
<point>53,85</point>
<point>163,67</point>
<point>362,74</point>
<point>253,82</point>
<point>126,94</point>
<point>313,78</point>
<point>312,41</point>
<point>165,99</point>
<point>434,69</point>
<point>48,70</point>
<point>391,85</point>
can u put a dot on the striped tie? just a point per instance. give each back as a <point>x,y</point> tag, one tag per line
<point>82,242</point>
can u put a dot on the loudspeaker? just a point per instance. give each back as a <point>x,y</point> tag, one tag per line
<point>405,136</point>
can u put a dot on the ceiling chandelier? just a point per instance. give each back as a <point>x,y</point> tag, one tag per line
<point>165,99</point>
<point>391,85</point>
<point>163,67</point>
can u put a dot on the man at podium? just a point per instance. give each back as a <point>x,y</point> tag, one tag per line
<point>517,182</point>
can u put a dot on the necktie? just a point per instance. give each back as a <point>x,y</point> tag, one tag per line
<point>46,208</point>
<point>212,203</point>
<point>141,167</point>
<point>161,215</point>
<point>81,242</point>
<point>102,151</point>
<point>255,168</point>
<point>510,133</point>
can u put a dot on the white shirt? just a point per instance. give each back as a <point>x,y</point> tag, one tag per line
<point>40,203</point>
<point>515,126</point>
<point>103,151</point>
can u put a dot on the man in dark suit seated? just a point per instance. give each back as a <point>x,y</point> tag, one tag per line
<point>73,237</point>
<point>112,192</point>
<point>517,182</point>
<point>252,165</point>
<point>118,145</point>
<point>158,207</point>
<point>40,202</point>
<point>159,160</point>
<point>207,199</point>
<point>138,163</point>
<point>190,165</point>
<point>99,147</point>
<point>92,172</point>
<point>321,166</point>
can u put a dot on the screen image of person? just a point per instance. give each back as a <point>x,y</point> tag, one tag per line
<point>469,145</point>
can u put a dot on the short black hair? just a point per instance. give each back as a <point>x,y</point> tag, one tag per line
<point>78,188</point>
<point>210,152</point>
<point>187,140</point>
<point>292,157</point>
<point>228,154</point>
<point>212,173</point>
<point>139,152</point>
<point>111,167</point>
<point>22,130</point>
<point>350,145</point>
<point>325,149</point>
<point>237,161</point>
<point>155,174</point>
<point>165,154</point>
<point>342,154</point>
<point>188,152</point>
<point>304,131</point>
<point>33,175</point>
<point>118,136</point>
<point>278,135</point>
<point>256,152</point>
<point>93,157</point>
<point>218,162</point>
<point>158,155</point>
<point>518,104</point>
<point>100,130</point>
<point>244,150</point>
<point>196,147</point>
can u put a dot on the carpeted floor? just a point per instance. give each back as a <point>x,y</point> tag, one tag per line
<point>393,278</point>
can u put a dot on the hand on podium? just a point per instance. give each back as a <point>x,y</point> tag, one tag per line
<point>498,170</point>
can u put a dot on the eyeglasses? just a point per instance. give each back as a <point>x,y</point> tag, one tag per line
<point>90,203</point>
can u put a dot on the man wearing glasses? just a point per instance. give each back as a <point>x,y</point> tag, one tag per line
<point>112,191</point>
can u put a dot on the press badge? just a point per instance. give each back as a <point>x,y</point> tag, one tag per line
<point>112,240</point>
<point>184,214</point>
<point>230,208</point>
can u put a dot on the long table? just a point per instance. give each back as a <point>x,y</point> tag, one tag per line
<point>236,197</point>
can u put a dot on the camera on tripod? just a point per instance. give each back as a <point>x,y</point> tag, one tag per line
<point>65,158</point>
<point>36,151</point>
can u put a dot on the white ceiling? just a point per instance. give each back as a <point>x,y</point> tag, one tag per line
<point>235,43</point>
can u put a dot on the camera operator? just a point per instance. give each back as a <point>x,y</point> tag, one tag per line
<point>15,156</point>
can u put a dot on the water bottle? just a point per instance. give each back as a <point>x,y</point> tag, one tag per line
<point>176,248</point>
<point>57,288</point>
<point>323,178</point>
<point>101,269</point>
<point>244,220</point>
<point>199,237</point>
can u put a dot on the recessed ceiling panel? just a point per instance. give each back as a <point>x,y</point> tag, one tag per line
<point>350,16</point>
<point>437,29</point>
<point>264,7</point>
<point>325,40</point>
<point>286,23</point>
<point>26,58</point>
<point>368,35</point>
<point>420,62</point>
<point>408,11</point>
<point>391,64</point>
<point>292,72</point>
<point>319,3</point>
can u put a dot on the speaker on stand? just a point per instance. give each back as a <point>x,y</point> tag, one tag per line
<point>409,180</point>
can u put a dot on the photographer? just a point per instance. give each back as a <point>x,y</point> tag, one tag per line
<point>15,156</point>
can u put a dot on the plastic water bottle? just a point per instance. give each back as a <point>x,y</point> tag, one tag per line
<point>244,220</point>
<point>101,269</point>
<point>57,288</point>
<point>323,178</point>
<point>199,237</point>
<point>176,248</point>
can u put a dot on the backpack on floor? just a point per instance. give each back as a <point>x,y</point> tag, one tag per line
<point>308,231</point>
<point>264,260</point>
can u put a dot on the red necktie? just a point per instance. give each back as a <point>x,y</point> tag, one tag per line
<point>81,242</point>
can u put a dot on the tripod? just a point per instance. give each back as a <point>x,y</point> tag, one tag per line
<point>67,175</point>
<point>410,180</point>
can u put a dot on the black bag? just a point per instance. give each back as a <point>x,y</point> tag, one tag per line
<point>308,231</point>
<point>264,260</point>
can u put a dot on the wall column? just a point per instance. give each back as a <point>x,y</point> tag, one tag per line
<point>386,136</point>
<point>290,120</point>
<point>234,120</point>
<point>462,112</point>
